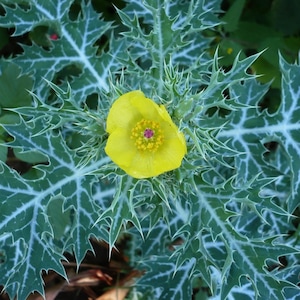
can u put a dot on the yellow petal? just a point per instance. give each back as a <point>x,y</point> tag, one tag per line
<point>120,148</point>
<point>142,166</point>
<point>165,115</point>
<point>147,107</point>
<point>170,156</point>
<point>173,135</point>
<point>125,155</point>
<point>122,114</point>
<point>167,158</point>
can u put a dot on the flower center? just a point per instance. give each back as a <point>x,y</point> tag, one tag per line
<point>147,135</point>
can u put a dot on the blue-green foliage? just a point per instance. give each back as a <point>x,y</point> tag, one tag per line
<point>222,217</point>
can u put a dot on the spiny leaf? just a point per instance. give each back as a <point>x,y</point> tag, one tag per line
<point>151,26</point>
<point>14,86</point>
<point>75,46</point>
<point>247,131</point>
<point>24,202</point>
<point>168,285</point>
<point>244,257</point>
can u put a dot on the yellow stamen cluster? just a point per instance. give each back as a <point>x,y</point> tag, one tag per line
<point>147,135</point>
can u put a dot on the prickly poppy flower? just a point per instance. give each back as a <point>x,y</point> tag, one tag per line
<point>143,140</point>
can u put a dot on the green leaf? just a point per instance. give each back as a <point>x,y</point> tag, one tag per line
<point>32,157</point>
<point>75,46</point>
<point>232,16</point>
<point>158,29</point>
<point>25,203</point>
<point>59,217</point>
<point>120,211</point>
<point>168,283</point>
<point>14,87</point>
<point>249,133</point>
<point>225,216</point>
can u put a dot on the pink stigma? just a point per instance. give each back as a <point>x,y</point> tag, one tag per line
<point>148,133</point>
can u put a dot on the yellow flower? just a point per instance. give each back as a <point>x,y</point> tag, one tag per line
<point>143,140</point>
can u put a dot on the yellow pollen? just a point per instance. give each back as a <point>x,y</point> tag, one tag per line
<point>148,135</point>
